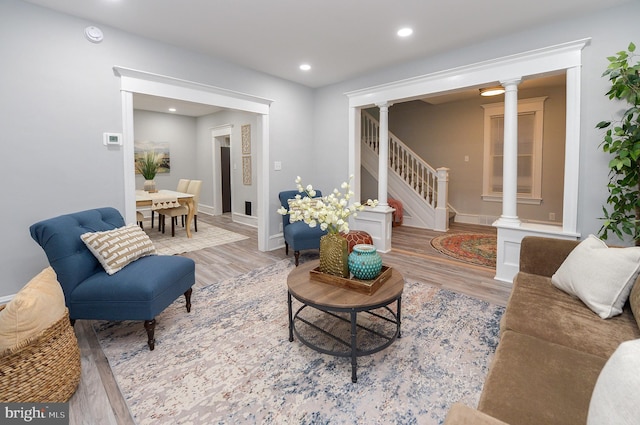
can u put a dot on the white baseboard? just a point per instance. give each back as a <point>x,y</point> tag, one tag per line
<point>247,220</point>
<point>485,220</point>
<point>205,209</point>
<point>276,242</point>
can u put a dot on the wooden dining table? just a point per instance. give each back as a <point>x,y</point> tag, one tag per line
<point>167,199</point>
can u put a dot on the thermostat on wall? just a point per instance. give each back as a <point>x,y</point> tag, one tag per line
<point>112,139</point>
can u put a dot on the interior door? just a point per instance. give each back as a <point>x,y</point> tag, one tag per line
<point>225,177</point>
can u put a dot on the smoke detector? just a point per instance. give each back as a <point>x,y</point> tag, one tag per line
<point>93,34</point>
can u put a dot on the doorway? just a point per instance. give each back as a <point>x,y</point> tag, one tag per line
<point>223,184</point>
<point>225,177</point>
<point>134,81</point>
<point>508,72</point>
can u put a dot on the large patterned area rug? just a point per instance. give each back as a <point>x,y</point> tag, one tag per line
<point>474,248</point>
<point>229,361</point>
<point>206,237</point>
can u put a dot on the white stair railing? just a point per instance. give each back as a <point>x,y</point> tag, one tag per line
<point>416,173</point>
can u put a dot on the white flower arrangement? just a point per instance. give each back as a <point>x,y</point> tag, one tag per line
<point>330,212</point>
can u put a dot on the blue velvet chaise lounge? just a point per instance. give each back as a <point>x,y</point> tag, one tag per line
<point>139,291</point>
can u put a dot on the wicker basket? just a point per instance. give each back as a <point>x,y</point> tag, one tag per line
<point>44,370</point>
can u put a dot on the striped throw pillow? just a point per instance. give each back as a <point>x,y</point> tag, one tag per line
<point>118,247</point>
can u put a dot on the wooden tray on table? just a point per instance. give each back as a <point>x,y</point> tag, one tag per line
<point>363,286</point>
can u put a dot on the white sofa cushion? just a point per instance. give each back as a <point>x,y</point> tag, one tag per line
<point>600,276</point>
<point>616,396</point>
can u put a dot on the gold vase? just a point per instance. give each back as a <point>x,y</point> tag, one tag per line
<point>334,255</point>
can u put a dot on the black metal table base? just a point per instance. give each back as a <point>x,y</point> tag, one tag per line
<point>353,351</point>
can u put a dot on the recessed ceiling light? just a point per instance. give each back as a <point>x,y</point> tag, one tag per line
<point>172,109</point>
<point>305,67</point>
<point>405,32</point>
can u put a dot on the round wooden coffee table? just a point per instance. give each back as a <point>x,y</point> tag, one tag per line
<point>333,300</point>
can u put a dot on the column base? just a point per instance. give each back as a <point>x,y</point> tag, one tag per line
<point>509,239</point>
<point>507,221</point>
<point>377,222</point>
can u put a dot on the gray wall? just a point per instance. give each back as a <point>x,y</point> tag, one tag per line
<point>195,158</point>
<point>180,132</point>
<point>190,145</point>
<point>59,94</point>
<point>610,31</point>
<point>241,192</point>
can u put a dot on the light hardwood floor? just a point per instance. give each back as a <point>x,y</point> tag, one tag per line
<point>98,399</point>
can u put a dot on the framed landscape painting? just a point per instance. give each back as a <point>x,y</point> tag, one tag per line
<point>161,149</point>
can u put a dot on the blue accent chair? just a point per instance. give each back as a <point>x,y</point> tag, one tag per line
<point>140,291</point>
<point>299,236</point>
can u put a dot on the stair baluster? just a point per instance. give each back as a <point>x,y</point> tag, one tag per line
<point>413,170</point>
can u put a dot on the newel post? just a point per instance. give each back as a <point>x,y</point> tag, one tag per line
<point>383,154</point>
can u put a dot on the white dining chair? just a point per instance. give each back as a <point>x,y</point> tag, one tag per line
<point>194,189</point>
<point>183,184</point>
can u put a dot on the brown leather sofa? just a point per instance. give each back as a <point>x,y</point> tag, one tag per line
<point>552,348</point>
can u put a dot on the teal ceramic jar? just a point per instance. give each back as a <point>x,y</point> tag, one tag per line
<point>364,262</point>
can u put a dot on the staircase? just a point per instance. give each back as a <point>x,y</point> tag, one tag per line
<point>421,188</point>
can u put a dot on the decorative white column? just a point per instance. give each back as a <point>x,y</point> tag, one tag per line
<point>377,221</point>
<point>383,153</point>
<point>510,155</point>
<point>509,232</point>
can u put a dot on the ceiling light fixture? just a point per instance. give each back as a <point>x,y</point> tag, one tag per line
<point>491,91</point>
<point>405,32</point>
<point>172,109</point>
<point>305,67</point>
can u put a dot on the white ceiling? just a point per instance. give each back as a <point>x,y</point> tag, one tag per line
<point>339,38</point>
<point>467,93</point>
<point>161,104</point>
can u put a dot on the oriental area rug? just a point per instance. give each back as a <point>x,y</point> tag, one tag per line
<point>474,248</point>
<point>230,361</point>
<point>206,237</point>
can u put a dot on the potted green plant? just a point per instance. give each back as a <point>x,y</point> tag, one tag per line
<point>622,141</point>
<point>148,166</point>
